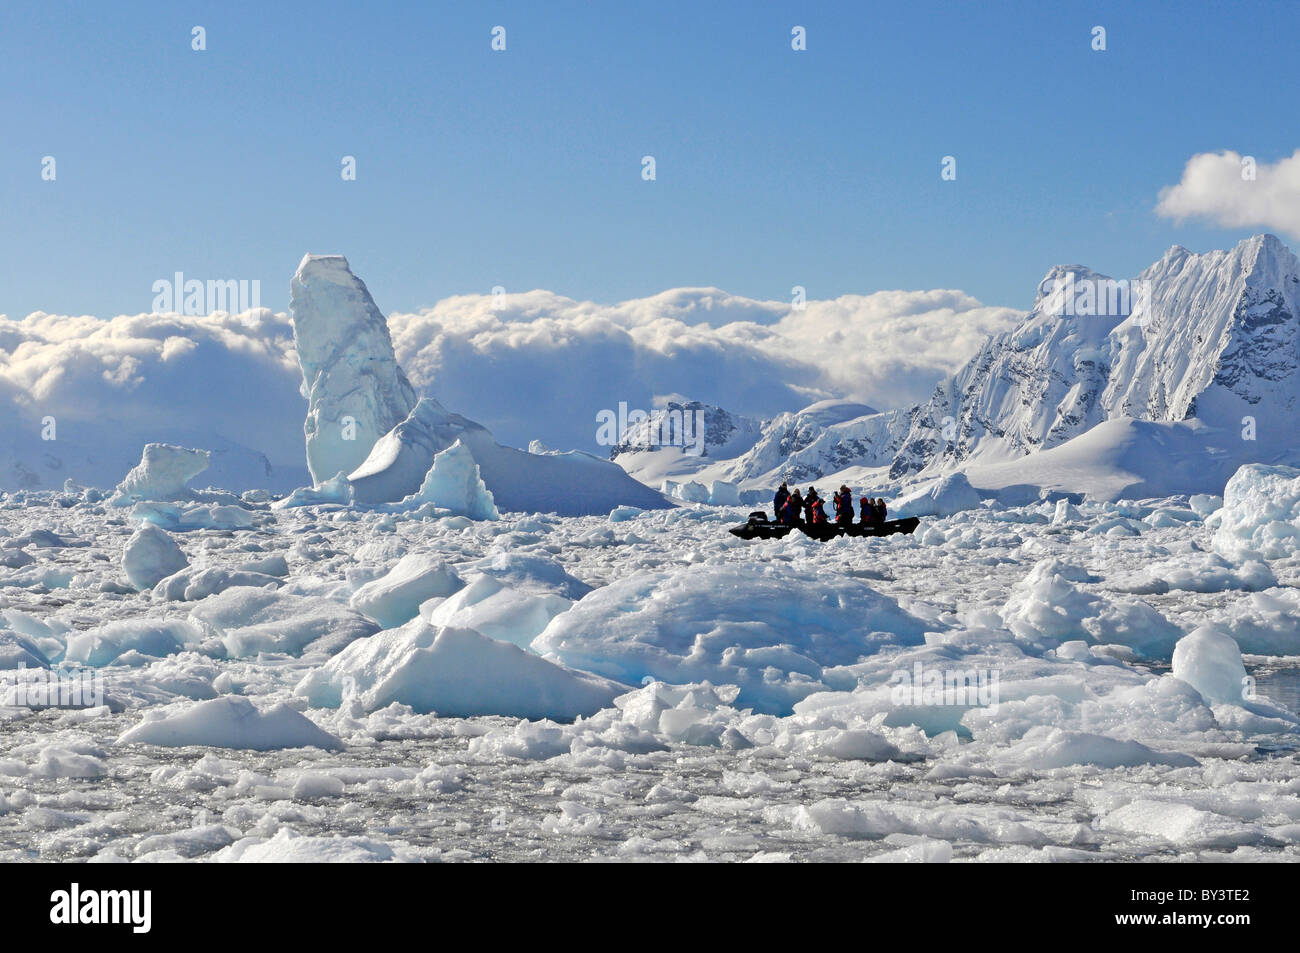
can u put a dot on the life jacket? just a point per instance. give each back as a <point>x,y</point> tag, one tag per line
<point>818,513</point>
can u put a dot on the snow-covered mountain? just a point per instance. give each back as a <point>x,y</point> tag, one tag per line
<point>682,439</point>
<point>1212,337</point>
<point>1161,384</point>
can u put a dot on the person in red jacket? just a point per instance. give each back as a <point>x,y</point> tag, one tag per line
<point>816,508</point>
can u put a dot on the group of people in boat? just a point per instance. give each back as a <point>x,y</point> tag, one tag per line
<point>792,508</point>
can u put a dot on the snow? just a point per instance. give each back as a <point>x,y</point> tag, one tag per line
<point>395,598</point>
<point>454,672</point>
<point>162,474</point>
<point>1260,517</point>
<point>1210,662</point>
<point>150,556</point>
<point>230,722</point>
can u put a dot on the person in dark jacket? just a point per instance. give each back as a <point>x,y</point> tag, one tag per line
<point>866,511</point>
<point>844,506</point>
<point>794,508</point>
<point>882,509</point>
<point>778,503</point>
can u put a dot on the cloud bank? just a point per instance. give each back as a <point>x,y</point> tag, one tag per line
<point>1214,188</point>
<point>540,366</point>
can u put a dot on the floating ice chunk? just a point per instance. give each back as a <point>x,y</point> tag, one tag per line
<point>18,651</point>
<point>317,784</point>
<point>222,516</point>
<point>289,847</point>
<point>1210,662</point>
<point>273,565</point>
<point>1203,504</point>
<point>230,722</point>
<point>620,514</point>
<point>150,556</point>
<point>1263,623</point>
<point>356,392</point>
<point>1260,514</point>
<point>252,620</point>
<point>454,483</point>
<point>1048,608</point>
<point>395,597</point>
<point>917,850</point>
<point>488,606</point>
<point>1199,572</point>
<point>335,490</point>
<point>103,644</point>
<point>948,495</point>
<point>1167,516</point>
<point>1066,512</point>
<point>691,492</point>
<point>191,585</point>
<point>532,573</point>
<point>161,474</point>
<point>723,493</point>
<point>457,673</point>
<point>769,631</point>
<point>1044,749</point>
<point>1180,824</point>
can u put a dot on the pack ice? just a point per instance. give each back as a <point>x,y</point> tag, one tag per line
<point>427,655</point>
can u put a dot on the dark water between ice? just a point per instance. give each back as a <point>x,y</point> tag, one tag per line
<point>1279,684</point>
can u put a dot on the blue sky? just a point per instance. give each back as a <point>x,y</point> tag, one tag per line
<point>522,169</point>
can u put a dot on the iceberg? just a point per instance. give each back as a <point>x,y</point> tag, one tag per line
<point>365,424</point>
<point>161,474</point>
<point>355,390</point>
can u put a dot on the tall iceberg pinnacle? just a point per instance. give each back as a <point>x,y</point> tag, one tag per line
<point>372,441</point>
<point>355,390</point>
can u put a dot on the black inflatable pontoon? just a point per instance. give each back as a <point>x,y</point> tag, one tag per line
<point>760,527</point>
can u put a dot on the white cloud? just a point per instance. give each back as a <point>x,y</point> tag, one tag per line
<point>154,374</point>
<point>540,368</point>
<point>1213,188</point>
<point>543,365</point>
